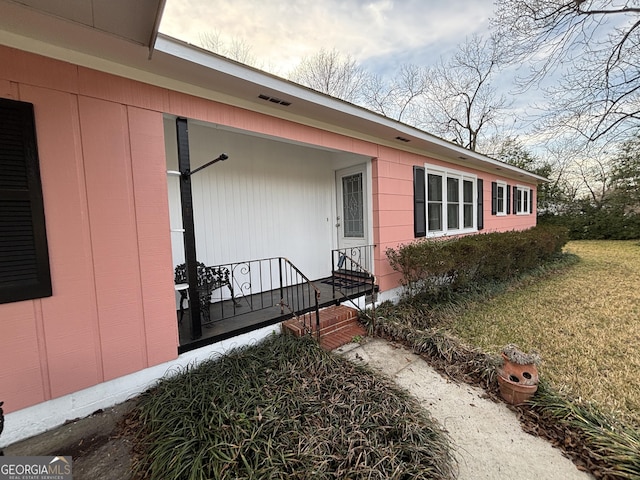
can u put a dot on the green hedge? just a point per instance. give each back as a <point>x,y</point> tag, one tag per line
<point>437,266</point>
<point>597,224</point>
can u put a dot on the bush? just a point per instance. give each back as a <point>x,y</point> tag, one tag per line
<point>437,267</point>
<point>590,223</point>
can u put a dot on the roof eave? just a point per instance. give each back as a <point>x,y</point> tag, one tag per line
<point>320,106</point>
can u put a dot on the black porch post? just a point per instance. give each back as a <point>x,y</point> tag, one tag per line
<point>184,165</point>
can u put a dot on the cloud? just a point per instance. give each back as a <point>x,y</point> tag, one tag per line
<point>281,33</point>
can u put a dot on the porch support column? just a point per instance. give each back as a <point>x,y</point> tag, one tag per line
<point>184,165</point>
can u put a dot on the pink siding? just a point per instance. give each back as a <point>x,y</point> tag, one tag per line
<point>393,206</point>
<point>149,177</point>
<point>22,381</point>
<point>102,155</point>
<point>114,237</point>
<point>102,167</point>
<point>70,314</point>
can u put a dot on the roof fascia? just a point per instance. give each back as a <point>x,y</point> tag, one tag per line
<point>293,91</point>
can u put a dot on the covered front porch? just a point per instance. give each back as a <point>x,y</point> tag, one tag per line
<point>260,293</point>
<point>300,212</point>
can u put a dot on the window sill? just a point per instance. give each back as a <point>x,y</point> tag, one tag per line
<point>451,233</point>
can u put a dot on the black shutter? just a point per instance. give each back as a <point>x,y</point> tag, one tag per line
<point>24,256</point>
<point>494,198</point>
<point>419,211</point>
<point>508,200</point>
<point>515,199</point>
<point>531,201</point>
<point>480,186</point>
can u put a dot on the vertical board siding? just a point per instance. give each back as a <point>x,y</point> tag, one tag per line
<point>268,199</point>
<point>112,218</point>
<point>69,316</point>
<point>154,243</point>
<point>22,382</point>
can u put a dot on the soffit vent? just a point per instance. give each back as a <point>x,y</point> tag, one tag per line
<point>403,139</point>
<point>274,100</point>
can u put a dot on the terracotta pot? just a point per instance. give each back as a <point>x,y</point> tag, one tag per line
<point>514,391</point>
<point>524,374</point>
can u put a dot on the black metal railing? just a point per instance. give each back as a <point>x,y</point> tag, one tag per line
<point>351,272</point>
<point>266,284</point>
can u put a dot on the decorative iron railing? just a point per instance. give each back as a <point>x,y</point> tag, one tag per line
<point>259,285</point>
<point>351,271</point>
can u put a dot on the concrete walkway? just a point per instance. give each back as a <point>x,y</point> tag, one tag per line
<point>488,440</point>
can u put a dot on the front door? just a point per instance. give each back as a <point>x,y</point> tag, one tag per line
<point>351,217</point>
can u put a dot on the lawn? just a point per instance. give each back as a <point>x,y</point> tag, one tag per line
<point>584,321</point>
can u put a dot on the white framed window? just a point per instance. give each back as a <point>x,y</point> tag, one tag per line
<point>451,198</point>
<point>522,200</point>
<point>501,198</point>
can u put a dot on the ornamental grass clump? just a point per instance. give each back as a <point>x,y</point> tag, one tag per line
<point>286,409</point>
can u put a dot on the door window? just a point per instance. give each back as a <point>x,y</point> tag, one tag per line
<point>353,206</point>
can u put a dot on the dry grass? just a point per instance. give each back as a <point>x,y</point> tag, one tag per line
<point>585,322</point>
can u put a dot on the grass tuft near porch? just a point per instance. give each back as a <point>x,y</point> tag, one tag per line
<point>286,409</point>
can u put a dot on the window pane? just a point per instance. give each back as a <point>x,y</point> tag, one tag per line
<point>434,188</point>
<point>519,200</point>
<point>467,209</point>
<point>434,199</point>
<point>468,216</point>
<point>453,194</point>
<point>435,216</point>
<point>501,199</point>
<point>452,215</point>
<point>352,203</point>
<point>467,187</point>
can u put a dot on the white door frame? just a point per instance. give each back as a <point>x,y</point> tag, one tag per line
<point>348,242</point>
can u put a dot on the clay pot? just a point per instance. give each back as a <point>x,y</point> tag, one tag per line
<point>514,391</point>
<point>524,374</point>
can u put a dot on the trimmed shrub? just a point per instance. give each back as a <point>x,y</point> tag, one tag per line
<point>439,266</point>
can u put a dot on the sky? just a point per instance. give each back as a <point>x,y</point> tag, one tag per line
<point>379,34</point>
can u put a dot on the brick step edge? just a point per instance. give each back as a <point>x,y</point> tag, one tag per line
<point>342,337</point>
<point>331,318</point>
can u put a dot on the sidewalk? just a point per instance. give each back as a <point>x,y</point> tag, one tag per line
<point>488,440</point>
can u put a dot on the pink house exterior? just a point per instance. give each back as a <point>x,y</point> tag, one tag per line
<point>105,124</point>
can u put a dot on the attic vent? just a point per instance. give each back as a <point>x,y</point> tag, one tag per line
<point>402,139</point>
<point>274,100</point>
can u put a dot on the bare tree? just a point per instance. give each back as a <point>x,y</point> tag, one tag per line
<point>236,49</point>
<point>332,73</point>
<point>460,103</point>
<point>398,98</point>
<point>593,47</point>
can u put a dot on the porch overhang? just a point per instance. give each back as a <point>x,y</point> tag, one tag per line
<point>246,87</point>
<point>95,27</point>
